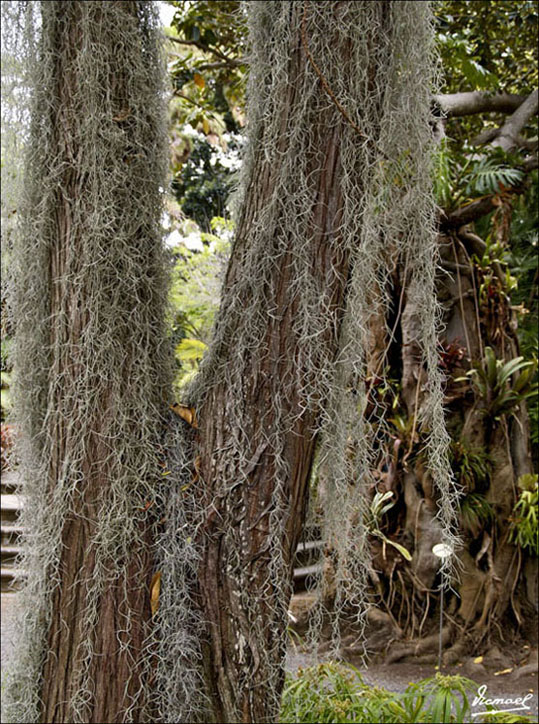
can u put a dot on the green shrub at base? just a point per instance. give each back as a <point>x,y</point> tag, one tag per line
<point>332,693</point>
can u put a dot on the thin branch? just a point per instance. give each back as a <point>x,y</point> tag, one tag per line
<point>233,62</point>
<point>477,209</point>
<point>323,81</point>
<point>224,64</point>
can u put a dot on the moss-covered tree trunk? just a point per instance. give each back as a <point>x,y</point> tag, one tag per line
<point>244,588</point>
<point>324,78</point>
<point>92,376</point>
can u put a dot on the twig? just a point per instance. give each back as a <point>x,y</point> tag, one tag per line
<point>323,81</point>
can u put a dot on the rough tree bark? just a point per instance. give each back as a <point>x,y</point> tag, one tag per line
<point>240,683</point>
<point>245,610</point>
<point>114,671</point>
<point>498,582</point>
<point>90,298</point>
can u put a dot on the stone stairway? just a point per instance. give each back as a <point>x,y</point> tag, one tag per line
<point>307,563</point>
<point>10,505</point>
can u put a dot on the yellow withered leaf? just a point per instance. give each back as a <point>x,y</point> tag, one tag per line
<point>186,413</point>
<point>504,671</point>
<point>205,125</point>
<point>199,80</point>
<point>478,660</point>
<point>155,590</point>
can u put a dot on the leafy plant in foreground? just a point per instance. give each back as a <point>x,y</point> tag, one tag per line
<point>334,692</point>
<point>492,381</point>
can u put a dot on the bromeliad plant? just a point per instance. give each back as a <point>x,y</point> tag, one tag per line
<point>378,507</point>
<point>492,382</point>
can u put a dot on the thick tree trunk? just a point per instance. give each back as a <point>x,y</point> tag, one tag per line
<point>235,588</point>
<point>91,355</point>
<point>116,651</point>
<point>260,408</point>
<point>492,584</point>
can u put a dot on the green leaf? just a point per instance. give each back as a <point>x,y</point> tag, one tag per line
<point>510,368</point>
<point>491,366</point>
<point>190,350</point>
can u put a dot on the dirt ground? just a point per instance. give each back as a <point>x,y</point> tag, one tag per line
<point>394,677</point>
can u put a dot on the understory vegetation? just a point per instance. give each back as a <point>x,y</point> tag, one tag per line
<point>334,692</point>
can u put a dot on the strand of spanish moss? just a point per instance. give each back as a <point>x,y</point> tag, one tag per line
<point>116,270</point>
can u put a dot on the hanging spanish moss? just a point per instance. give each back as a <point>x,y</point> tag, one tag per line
<point>336,192</point>
<point>90,357</point>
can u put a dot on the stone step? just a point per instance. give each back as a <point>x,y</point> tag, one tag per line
<point>8,555</point>
<point>9,583</point>
<point>308,552</point>
<point>302,573</point>
<point>9,481</point>
<point>11,504</point>
<point>10,533</point>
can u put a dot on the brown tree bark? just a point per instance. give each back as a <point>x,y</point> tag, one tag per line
<point>241,685</point>
<point>111,677</point>
<point>493,587</point>
<point>244,607</point>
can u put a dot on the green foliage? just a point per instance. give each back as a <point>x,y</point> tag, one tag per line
<point>524,521</point>
<point>522,259</point>
<point>459,51</point>
<point>492,382</point>
<point>207,67</point>
<point>334,692</point>
<point>460,175</point>
<point>203,184</point>
<point>5,397</point>
<point>488,44</point>
<point>470,465</point>
<point>488,175</point>
<point>475,513</point>
<point>378,507</point>
<point>506,717</point>
<point>194,296</point>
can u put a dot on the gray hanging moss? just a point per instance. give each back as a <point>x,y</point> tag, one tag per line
<point>89,299</point>
<point>91,359</point>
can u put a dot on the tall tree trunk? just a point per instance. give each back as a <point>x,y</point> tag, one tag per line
<point>257,502</point>
<point>266,385</point>
<point>91,364</point>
